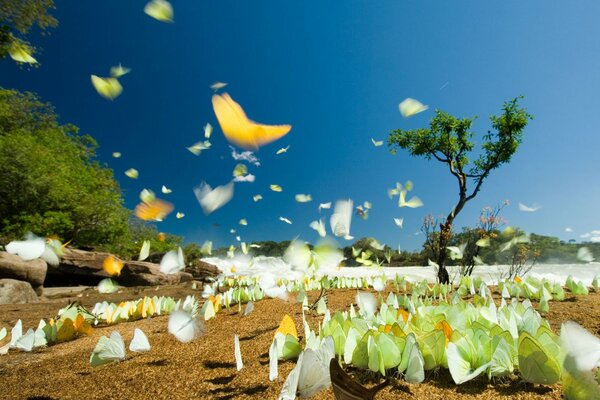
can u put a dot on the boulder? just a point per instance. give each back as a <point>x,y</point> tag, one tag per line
<point>34,271</point>
<point>13,291</point>
<point>79,267</point>
<point>202,271</point>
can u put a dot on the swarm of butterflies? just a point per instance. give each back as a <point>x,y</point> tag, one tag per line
<point>404,335</point>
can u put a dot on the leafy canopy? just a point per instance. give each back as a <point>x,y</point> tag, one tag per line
<point>50,182</point>
<point>449,140</point>
<point>18,17</point>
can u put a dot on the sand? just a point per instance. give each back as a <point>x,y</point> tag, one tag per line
<point>205,368</point>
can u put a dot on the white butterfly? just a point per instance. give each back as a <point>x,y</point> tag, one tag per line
<point>197,148</point>
<point>27,249</point>
<point>179,215</point>
<point>584,254</point>
<point>144,251</point>
<point>367,303</point>
<point>132,173</point>
<point>273,357</point>
<point>257,197</point>
<point>218,85</point>
<point>534,208</point>
<point>583,346</point>
<point>377,143</point>
<point>20,341</point>
<point>119,71</point>
<point>172,262</point>
<point>207,130</point>
<point>341,218</point>
<point>303,198</point>
<point>140,342</point>
<point>249,308</point>
<point>183,326</point>
<point>108,350</point>
<point>399,222</point>
<point>457,253</point>
<point>319,226</point>
<point>414,202</point>
<point>213,199</point>
<point>107,286</point>
<point>165,190</point>
<point>325,206</point>
<point>238,353</point>
<point>287,221</point>
<point>410,107</point>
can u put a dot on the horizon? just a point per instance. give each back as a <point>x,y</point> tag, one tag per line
<point>337,76</point>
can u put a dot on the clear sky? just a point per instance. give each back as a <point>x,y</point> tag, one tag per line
<point>336,72</point>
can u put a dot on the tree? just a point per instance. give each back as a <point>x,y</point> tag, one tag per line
<point>18,17</point>
<point>448,140</point>
<point>50,182</point>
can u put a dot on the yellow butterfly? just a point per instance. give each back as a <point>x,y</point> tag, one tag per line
<point>112,266</point>
<point>160,10</point>
<point>21,53</point>
<point>154,210</point>
<point>109,88</point>
<point>241,131</point>
<point>82,327</point>
<point>287,327</point>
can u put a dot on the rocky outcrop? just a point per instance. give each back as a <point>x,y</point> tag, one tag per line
<point>33,272</point>
<point>78,267</point>
<point>202,271</point>
<point>13,291</point>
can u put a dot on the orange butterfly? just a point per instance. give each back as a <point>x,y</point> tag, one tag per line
<point>241,131</point>
<point>154,210</point>
<point>112,266</point>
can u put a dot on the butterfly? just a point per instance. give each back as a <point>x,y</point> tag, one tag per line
<point>534,208</point>
<point>377,143</point>
<point>154,210</point>
<point>108,349</point>
<point>282,150</point>
<point>21,53</point>
<point>213,199</point>
<point>197,148</point>
<point>172,262</point>
<point>140,342</point>
<point>112,266</point>
<point>160,10</point>
<point>109,88</point>
<point>241,131</point>
<point>107,286</point>
<point>237,353</point>
<point>410,107</point>
<point>303,198</point>
<point>341,218</point>
<point>119,71</point>
<point>132,173</point>
<point>183,326</point>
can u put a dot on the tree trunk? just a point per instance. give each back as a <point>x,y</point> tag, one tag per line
<point>445,234</point>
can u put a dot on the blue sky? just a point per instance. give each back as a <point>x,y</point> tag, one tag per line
<point>336,74</point>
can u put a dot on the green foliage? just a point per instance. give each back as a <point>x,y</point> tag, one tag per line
<point>50,182</point>
<point>128,246</point>
<point>18,17</point>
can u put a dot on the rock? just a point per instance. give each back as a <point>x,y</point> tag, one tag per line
<point>34,271</point>
<point>13,291</point>
<point>202,271</point>
<point>78,267</point>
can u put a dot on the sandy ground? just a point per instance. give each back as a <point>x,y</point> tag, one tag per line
<point>205,368</point>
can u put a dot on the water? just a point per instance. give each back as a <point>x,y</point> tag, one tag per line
<point>259,266</point>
